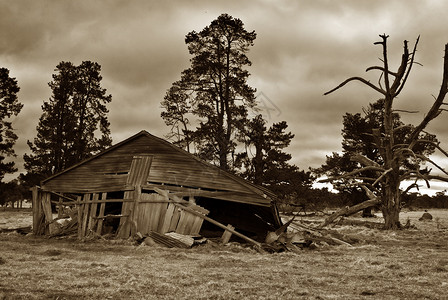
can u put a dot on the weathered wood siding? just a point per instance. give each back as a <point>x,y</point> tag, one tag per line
<point>170,166</point>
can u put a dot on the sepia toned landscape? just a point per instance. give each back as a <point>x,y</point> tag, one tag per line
<point>223,149</point>
<point>402,264</point>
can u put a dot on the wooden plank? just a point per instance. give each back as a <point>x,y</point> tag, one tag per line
<point>61,195</point>
<point>138,174</point>
<point>163,211</point>
<point>182,223</point>
<point>124,228</point>
<point>188,220</point>
<point>80,211</point>
<point>37,208</point>
<point>101,214</point>
<point>60,212</point>
<point>156,207</point>
<point>225,238</point>
<point>142,222</point>
<point>46,207</point>
<point>174,219</point>
<point>142,215</point>
<point>222,226</point>
<point>96,201</point>
<point>167,219</point>
<point>92,214</point>
<point>175,198</point>
<point>85,215</point>
<point>197,224</point>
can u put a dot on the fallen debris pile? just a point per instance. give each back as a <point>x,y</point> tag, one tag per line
<point>19,230</point>
<point>169,240</point>
<point>294,236</point>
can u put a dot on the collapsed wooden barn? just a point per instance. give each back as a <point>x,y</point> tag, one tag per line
<point>146,184</point>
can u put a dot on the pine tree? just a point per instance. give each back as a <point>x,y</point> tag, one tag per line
<point>76,111</point>
<point>9,107</point>
<point>214,90</point>
<point>266,163</point>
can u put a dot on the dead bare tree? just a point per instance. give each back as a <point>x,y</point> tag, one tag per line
<point>384,187</point>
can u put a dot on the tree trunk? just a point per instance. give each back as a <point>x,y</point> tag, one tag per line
<point>391,207</point>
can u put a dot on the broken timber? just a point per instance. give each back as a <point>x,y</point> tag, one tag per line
<point>120,182</point>
<point>177,200</point>
<point>349,210</point>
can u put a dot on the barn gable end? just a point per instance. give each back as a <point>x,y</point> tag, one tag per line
<point>168,168</point>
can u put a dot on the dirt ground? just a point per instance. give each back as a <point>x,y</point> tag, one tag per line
<point>402,264</point>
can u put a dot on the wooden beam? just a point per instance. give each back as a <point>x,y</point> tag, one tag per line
<point>37,198</point>
<point>225,238</point>
<point>349,210</point>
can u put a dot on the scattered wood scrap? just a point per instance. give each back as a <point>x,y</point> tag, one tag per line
<point>176,200</point>
<point>66,225</point>
<point>20,230</point>
<point>349,210</point>
<point>301,236</point>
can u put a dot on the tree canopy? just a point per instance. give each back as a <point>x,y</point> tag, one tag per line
<point>208,106</point>
<point>71,120</point>
<point>9,107</point>
<point>207,111</point>
<point>357,139</point>
<point>265,163</point>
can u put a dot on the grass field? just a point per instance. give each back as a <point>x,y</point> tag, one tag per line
<point>404,264</point>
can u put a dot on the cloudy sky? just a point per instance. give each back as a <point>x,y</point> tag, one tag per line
<point>303,49</point>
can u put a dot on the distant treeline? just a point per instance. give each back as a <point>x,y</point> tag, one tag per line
<point>307,199</point>
<point>320,199</point>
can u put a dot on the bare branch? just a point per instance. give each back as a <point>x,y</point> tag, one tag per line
<point>402,127</point>
<point>378,141</point>
<point>434,110</point>
<point>379,81</point>
<point>369,193</point>
<point>406,111</point>
<point>401,69</point>
<point>415,175</point>
<point>349,210</point>
<point>436,177</point>
<point>436,145</point>
<point>409,68</point>
<point>422,157</point>
<point>414,185</point>
<point>364,160</point>
<point>381,69</point>
<point>351,174</point>
<point>366,82</point>
<point>385,60</point>
<point>382,175</point>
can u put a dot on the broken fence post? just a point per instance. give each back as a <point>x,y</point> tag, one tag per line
<point>225,238</point>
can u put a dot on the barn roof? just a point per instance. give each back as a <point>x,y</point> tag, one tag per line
<point>172,167</point>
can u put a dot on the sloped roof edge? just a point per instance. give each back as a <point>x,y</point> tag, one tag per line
<point>255,188</point>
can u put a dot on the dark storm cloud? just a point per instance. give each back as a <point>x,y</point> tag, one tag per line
<point>303,49</point>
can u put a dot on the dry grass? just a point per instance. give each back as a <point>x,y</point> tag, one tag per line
<point>405,264</point>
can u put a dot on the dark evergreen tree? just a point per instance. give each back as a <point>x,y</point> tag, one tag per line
<point>71,119</point>
<point>9,107</point>
<point>265,162</point>
<point>358,139</point>
<point>214,90</point>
